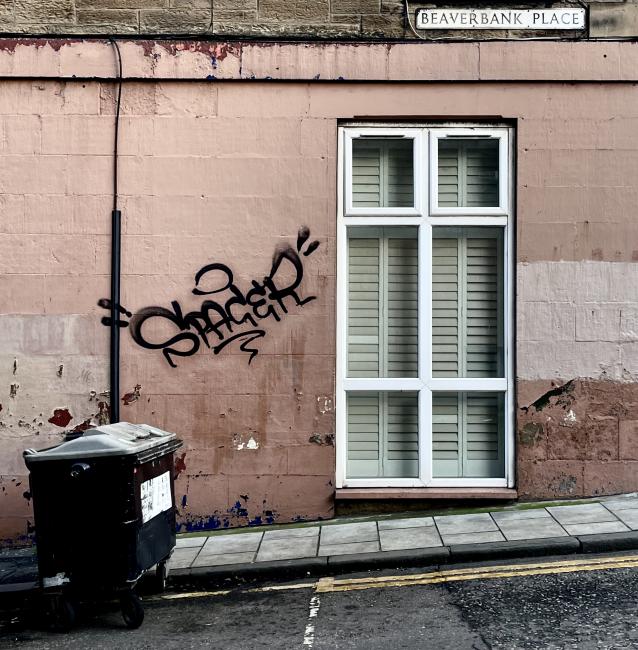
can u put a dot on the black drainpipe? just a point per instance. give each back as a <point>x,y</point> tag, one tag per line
<point>116,246</point>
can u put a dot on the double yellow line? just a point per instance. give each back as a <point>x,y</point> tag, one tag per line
<point>326,585</point>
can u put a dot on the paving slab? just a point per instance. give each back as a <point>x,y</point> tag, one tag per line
<point>458,524</point>
<point>621,504</point>
<point>237,543</point>
<point>536,528</point>
<point>292,532</point>
<point>348,549</point>
<point>517,515</point>
<point>405,538</point>
<point>414,522</point>
<point>347,533</point>
<point>596,528</point>
<point>628,517</point>
<point>581,514</point>
<point>473,538</point>
<point>228,558</point>
<point>188,542</point>
<point>287,549</point>
<point>182,558</point>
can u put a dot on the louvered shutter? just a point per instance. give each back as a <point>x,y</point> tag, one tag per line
<point>468,173</point>
<point>382,173</point>
<point>466,303</point>
<point>383,342</point>
<point>363,307</point>
<point>467,435</point>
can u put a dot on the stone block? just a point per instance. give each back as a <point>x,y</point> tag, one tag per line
<point>121,18</point>
<point>613,19</point>
<point>47,13</point>
<point>628,439</point>
<point>598,323</point>
<point>543,321</point>
<point>614,477</point>
<point>177,21</point>
<point>355,7</point>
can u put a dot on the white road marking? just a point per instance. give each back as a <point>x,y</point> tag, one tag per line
<point>309,633</point>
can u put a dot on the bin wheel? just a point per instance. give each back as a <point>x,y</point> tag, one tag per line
<point>161,574</point>
<point>132,610</point>
<point>62,613</point>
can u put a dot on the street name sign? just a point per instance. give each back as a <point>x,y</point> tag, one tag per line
<point>500,19</point>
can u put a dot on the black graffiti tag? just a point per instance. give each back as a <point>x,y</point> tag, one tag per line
<point>218,323</point>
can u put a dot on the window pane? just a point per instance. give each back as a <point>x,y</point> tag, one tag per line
<point>382,302</point>
<point>382,173</point>
<point>468,172</point>
<point>383,435</point>
<point>467,302</point>
<point>468,435</point>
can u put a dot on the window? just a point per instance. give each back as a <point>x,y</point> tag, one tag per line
<point>424,307</point>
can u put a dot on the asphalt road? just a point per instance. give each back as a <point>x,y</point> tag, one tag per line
<point>580,609</point>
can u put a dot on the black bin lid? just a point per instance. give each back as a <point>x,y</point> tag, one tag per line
<point>121,439</point>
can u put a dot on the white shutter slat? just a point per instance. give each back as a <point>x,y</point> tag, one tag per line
<point>468,172</point>
<point>483,436</point>
<point>363,307</point>
<point>402,307</point>
<point>482,307</point>
<point>467,435</point>
<point>445,304</point>
<point>446,457</point>
<point>363,434</point>
<point>382,173</point>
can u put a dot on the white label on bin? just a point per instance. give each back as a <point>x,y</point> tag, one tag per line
<point>156,496</point>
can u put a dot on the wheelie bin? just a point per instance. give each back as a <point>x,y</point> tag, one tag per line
<point>104,510</point>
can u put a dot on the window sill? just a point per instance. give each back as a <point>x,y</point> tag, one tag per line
<point>352,494</point>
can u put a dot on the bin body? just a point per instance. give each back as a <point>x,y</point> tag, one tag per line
<point>104,506</point>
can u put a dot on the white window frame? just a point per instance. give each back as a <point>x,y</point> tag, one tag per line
<point>417,162</point>
<point>503,186</point>
<point>425,215</point>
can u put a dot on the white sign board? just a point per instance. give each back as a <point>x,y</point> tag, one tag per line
<point>156,496</point>
<point>500,19</point>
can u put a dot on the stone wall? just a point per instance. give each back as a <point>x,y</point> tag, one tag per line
<point>322,19</point>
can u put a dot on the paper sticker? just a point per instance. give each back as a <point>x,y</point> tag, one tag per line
<point>156,496</point>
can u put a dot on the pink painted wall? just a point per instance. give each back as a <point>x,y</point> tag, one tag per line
<point>214,172</point>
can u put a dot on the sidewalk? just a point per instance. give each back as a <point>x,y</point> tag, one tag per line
<point>601,525</point>
<point>321,548</point>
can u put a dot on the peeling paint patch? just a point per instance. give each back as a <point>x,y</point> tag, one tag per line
<point>239,442</point>
<point>180,464</point>
<point>133,396</point>
<point>61,417</point>
<point>545,399</point>
<point>325,404</point>
<point>13,389</point>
